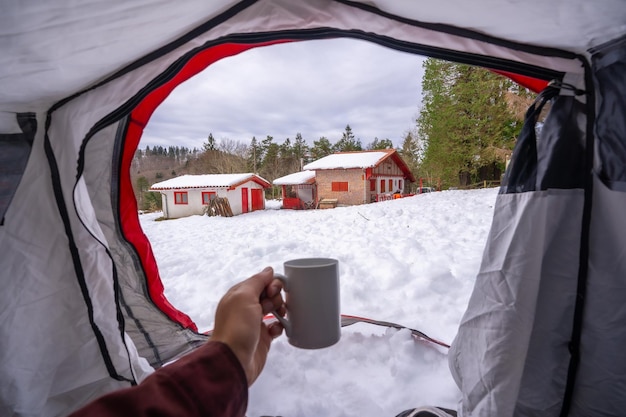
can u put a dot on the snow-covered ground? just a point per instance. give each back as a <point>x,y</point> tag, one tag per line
<point>411,261</point>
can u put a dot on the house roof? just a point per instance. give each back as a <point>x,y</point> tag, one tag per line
<point>302,177</point>
<point>347,160</point>
<point>360,159</point>
<point>209,180</point>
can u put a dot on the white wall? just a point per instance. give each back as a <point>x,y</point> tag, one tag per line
<point>194,204</point>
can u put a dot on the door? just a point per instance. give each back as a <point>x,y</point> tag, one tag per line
<point>258,202</point>
<point>244,200</point>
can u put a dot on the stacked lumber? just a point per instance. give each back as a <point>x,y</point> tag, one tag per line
<point>219,206</point>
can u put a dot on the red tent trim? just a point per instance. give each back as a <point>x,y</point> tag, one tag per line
<point>535,84</point>
<point>129,218</point>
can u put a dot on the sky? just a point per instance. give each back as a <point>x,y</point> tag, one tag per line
<point>411,261</point>
<point>314,88</point>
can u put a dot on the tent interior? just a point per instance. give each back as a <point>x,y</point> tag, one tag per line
<point>543,333</point>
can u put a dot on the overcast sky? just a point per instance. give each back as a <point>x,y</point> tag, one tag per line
<point>313,87</point>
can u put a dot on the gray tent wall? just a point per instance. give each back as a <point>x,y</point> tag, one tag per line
<point>76,317</point>
<point>544,331</point>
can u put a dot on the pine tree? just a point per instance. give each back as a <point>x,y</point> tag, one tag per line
<point>210,144</point>
<point>271,164</point>
<point>380,144</point>
<point>347,142</point>
<point>321,148</point>
<point>300,150</point>
<point>255,156</point>
<point>466,123</point>
<point>410,153</point>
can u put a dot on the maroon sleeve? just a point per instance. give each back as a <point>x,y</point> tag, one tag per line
<point>206,382</point>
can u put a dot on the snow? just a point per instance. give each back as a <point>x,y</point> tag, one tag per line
<point>206,180</point>
<point>296,178</point>
<point>348,160</point>
<point>411,261</point>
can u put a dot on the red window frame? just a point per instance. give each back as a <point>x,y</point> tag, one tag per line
<point>181,197</point>
<point>382,186</point>
<point>339,186</point>
<point>390,185</point>
<point>206,196</point>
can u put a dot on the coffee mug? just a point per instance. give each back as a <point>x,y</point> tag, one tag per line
<point>312,301</point>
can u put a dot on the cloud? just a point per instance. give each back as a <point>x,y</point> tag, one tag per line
<point>315,88</point>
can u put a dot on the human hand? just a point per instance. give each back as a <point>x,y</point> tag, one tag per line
<point>239,320</point>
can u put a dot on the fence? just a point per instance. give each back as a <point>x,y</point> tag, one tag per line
<point>481,184</point>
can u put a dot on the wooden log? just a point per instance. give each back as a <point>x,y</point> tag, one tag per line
<point>219,206</point>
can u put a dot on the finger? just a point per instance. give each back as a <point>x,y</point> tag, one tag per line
<point>257,283</point>
<point>275,329</point>
<point>282,310</point>
<point>272,304</point>
<point>274,287</point>
<point>267,306</point>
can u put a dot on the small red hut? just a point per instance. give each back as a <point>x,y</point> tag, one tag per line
<point>299,190</point>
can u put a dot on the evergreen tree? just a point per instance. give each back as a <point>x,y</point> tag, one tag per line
<point>289,163</point>
<point>255,156</point>
<point>286,150</point>
<point>210,144</point>
<point>380,144</point>
<point>465,123</point>
<point>321,148</point>
<point>410,153</point>
<point>300,150</point>
<point>347,142</point>
<point>271,164</point>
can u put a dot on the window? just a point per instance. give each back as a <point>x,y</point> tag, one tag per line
<point>207,196</point>
<point>400,185</point>
<point>382,186</point>
<point>390,185</point>
<point>180,197</point>
<point>339,186</point>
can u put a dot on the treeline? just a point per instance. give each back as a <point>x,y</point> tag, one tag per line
<point>265,157</point>
<point>170,151</point>
<point>465,131</point>
<point>271,159</point>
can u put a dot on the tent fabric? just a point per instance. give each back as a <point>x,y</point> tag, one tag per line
<point>541,336</point>
<point>82,310</point>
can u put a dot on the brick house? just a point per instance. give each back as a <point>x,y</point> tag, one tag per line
<point>352,178</point>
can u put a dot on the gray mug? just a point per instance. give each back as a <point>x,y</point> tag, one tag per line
<point>312,300</point>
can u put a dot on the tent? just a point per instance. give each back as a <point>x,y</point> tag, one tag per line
<point>82,310</point>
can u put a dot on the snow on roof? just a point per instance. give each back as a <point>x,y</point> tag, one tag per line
<point>206,180</point>
<point>349,160</point>
<point>296,178</point>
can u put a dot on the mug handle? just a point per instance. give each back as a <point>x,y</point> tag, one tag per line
<point>286,323</point>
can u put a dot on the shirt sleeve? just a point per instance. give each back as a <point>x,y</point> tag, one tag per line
<point>209,381</point>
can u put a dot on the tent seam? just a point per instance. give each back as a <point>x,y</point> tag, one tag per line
<point>464,33</point>
<point>80,276</point>
<point>583,267</point>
